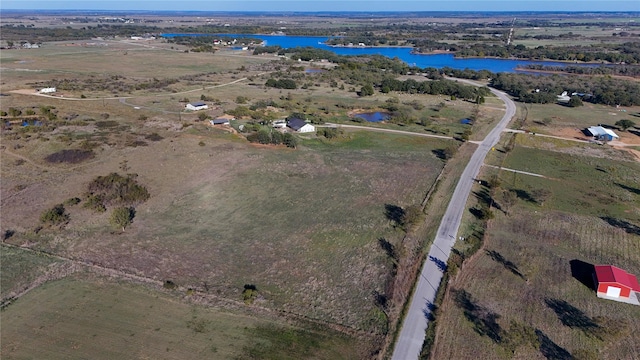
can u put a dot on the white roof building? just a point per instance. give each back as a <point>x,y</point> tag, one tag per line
<point>602,133</point>
<point>196,106</point>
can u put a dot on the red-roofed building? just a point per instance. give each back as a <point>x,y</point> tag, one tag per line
<point>614,283</point>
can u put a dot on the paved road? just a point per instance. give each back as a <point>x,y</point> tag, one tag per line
<point>411,337</point>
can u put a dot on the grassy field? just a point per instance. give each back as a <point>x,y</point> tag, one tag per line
<point>567,117</point>
<point>520,297</point>
<point>256,212</point>
<point>19,268</point>
<point>302,226</point>
<point>97,319</point>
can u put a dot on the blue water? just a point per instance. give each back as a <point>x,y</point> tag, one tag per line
<point>404,54</point>
<point>373,116</point>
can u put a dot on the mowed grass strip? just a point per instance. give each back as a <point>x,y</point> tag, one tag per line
<point>80,319</point>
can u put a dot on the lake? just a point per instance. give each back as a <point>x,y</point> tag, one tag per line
<point>404,54</point>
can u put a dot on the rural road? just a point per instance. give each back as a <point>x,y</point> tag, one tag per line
<point>411,338</point>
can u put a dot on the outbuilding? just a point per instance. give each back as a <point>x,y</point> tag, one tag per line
<point>196,106</point>
<point>300,125</point>
<point>616,284</point>
<point>219,121</point>
<point>602,133</point>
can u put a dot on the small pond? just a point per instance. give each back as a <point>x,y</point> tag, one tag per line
<point>314,71</point>
<point>377,116</point>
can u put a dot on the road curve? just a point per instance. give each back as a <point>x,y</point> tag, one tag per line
<point>411,338</point>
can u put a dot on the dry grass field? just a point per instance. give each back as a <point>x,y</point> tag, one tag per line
<point>523,295</point>
<point>301,225</point>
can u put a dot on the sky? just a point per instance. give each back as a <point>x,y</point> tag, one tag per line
<point>316,5</point>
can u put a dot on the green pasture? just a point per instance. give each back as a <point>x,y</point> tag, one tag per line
<point>80,319</point>
<point>18,268</point>
<point>525,291</point>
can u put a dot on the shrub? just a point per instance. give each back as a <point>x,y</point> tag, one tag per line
<point>249,293</point>
<point>72,201</point>
<point>168,284</point>
<point>115,189</point>
<point>95,203</point>
<point>55,216</point>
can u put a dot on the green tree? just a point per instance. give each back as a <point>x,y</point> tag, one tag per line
<point>366,90</point>
<point>290,141</point>
<point>624,124</point>
<point>575,101</point>
<point>264,137</point>
<point>121,217</point>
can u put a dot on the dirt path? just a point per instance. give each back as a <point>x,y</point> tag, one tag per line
<point>517,171</point>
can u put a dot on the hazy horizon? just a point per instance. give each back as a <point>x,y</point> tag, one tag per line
<point>327,6</point>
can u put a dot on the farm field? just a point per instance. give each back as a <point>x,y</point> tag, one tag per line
<point>567,117</point>
<point>86,317</point>
<point>524,294</point>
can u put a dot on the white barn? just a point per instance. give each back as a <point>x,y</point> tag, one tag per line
<point>196,106</point>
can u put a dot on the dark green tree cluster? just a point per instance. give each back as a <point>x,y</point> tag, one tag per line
<point>267,50</point>
<point>621,70</point>
<point>281,83</point>
<point>628,53</point>
<point>270,136</point>
<point>437,87</point>
<point>544,89</point>
<point>115,189</point>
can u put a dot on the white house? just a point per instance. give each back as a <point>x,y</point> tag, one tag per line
<point>29,45</point>
<point>48,90</point>
<point>564,97</point>
<point>601,133</point>
<point>300,126</point>
<point>196,106</point>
